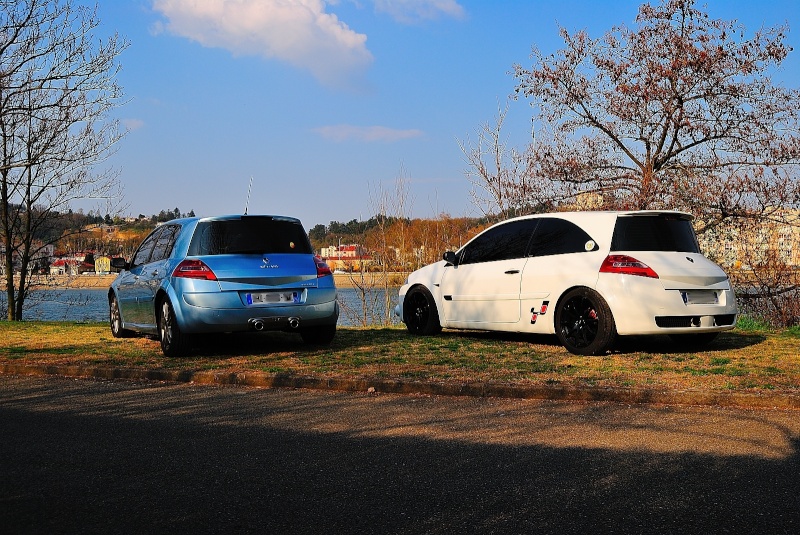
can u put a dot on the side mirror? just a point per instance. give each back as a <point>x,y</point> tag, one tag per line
<point>119,263</point>
<point>451,258</point>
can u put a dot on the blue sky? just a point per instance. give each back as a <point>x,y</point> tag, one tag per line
<point>325,104</point>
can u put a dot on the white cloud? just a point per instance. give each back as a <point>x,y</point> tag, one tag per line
<point>344,132</point>
<point>132,124</point>
<point>299,32</point>
<point>411,11</point>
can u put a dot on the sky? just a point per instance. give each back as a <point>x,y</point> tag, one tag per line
<point>322,105</point>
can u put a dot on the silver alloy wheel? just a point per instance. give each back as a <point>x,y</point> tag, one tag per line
<point>174,343</point>
<point>115,319</point>
<point>166,325</point>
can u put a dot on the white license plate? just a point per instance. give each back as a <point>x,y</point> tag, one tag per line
<point>700,297</point>
<point>272,297</point>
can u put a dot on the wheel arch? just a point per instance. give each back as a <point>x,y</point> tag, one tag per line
<point>161,295</point>
<point>563,293</point>
<point>113,295</point>
<point>437,298</point>
<point>568,289</point>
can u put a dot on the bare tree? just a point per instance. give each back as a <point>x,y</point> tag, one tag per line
<point>679,111</point>
<point>390,237</point>
<point>375,281</point>
<point>501,185</point>
<point>57,87</point>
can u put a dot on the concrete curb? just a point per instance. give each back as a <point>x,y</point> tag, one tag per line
<point>763,400</point>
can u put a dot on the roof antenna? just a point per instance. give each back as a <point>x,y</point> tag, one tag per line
<point>249,188</point>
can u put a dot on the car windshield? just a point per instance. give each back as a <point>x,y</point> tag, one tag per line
<point>249,235</point>
<point>654,233</point>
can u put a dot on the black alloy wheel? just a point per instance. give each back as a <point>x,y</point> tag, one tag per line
<point>584,323</point>
<point>419,312</point>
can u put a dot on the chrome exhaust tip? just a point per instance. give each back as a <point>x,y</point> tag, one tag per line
<point>294,323</point>
<point>258,325</point>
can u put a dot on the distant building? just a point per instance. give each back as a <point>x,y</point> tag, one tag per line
<point>79,262</point>
<point>65,266</point>
<point>102,264</point>
<point>351,257</point>
<point>736,249</point>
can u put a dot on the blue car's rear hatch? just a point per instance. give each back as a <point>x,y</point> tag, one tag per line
<point>256,272</point>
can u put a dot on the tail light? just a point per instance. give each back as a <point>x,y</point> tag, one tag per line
<point>194,269</point>
<point>626,265</point>
<point>322,268</point>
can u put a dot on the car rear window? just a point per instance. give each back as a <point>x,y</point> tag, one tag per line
<point>654,233</point>
<point>249,235</point>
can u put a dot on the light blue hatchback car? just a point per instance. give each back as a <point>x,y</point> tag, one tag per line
<point>223,274</point>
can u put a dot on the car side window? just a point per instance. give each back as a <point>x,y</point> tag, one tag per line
<point>164,243</point>
<point>503,242</point>
<point>556,236</point>
<point>142,254</point>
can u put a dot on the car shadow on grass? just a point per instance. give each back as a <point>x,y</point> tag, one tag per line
<point>242,344</point>
<point>726,341</point>
<point>659,344</point>
<point>271,342</point>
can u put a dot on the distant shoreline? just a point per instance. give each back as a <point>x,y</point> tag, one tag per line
<point>48,282</point>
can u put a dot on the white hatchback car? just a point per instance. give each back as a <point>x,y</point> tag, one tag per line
<point>585,276</point>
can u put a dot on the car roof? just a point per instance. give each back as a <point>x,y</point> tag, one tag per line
<point>230,217</point>
<point>604,214</point>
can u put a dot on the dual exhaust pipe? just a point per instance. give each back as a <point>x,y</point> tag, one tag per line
<point>259,324</point>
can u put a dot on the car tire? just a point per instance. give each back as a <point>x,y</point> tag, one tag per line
<point>419,312</point>
<point>173,342</point>
<point>318,336</point>
<point>693,341</point>
<point>584,323</point>
<point>115,319</point>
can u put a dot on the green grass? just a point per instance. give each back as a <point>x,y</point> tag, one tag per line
<point>751,324</point>
<point>793,331</point>
<point>746,359</point>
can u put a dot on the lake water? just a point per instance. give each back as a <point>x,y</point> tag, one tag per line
<point>91,305</point>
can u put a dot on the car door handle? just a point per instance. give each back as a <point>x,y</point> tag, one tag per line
<point>512,272</point>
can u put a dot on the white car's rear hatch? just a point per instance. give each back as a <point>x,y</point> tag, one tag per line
<point>683,270</point>
<point>666,242</point>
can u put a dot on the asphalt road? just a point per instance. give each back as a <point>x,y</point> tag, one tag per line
<point>84,456</point>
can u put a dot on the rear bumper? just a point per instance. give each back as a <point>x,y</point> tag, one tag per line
<point>642,306</point>
<point>231,315</point>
